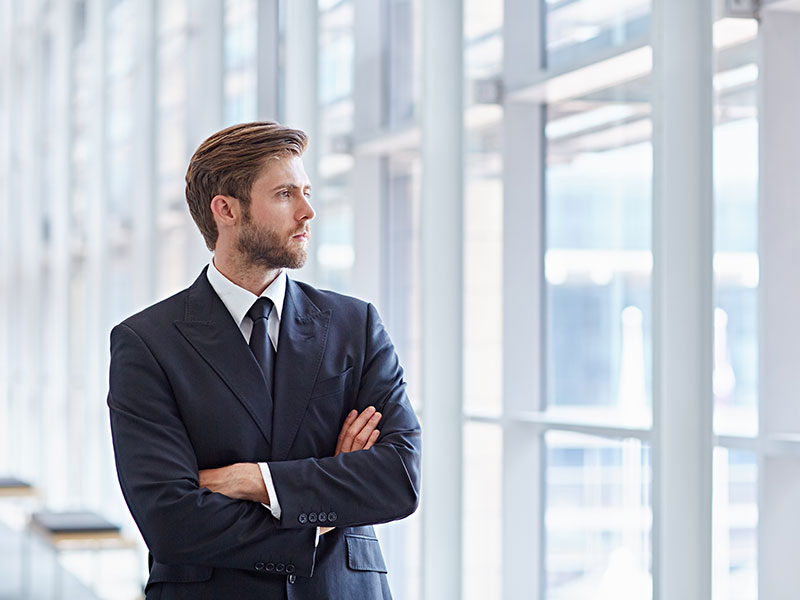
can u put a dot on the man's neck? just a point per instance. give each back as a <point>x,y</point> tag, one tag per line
<point>253,278</point>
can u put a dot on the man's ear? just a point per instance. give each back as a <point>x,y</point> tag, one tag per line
<point>226,210</point>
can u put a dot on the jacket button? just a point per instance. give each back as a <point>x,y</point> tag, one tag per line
<point>322,517</point>
<point>259,566</point>
<point>270,567</point>
<point>312,518</point>
<point>280,568</point>
<point>292,578</point>
<point>290,568</point>
<point>331,517</point>
<point>302,518</point>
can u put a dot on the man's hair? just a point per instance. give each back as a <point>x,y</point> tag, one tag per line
<point>228,163</point>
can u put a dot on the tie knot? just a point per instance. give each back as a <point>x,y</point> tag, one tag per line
<point>260,309</point>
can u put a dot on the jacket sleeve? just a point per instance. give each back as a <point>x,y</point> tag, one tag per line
<point>158,472</point>
<point>369,486</point>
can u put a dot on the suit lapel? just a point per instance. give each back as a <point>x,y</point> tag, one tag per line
<point>209,327</point>
<point>301,345</point>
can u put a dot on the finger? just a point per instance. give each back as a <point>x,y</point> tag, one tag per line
<point>362,437</point>
<point>356,427</point>
<point>372,439</point>
<point>351,416</point>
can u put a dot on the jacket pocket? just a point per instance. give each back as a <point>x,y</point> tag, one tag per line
<point>332,385</point>
<point>364,553</point>
<point>161,573</point>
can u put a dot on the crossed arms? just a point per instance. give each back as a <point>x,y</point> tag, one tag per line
<point>243,481</point>
<point>158,437</point>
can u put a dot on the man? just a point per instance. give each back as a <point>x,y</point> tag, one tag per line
<point>244,409</point>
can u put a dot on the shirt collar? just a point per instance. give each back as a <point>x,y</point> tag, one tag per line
<point>239,300</point>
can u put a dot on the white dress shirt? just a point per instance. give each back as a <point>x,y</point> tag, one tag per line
<point>238,301</point>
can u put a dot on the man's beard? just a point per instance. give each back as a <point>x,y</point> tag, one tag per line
<point>267,248</point>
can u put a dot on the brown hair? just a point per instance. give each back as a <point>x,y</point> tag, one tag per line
<point>229,162</point>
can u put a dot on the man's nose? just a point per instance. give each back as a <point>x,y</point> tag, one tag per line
<point>306,210</point>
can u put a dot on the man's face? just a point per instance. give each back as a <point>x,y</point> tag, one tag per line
<point>274,230</point>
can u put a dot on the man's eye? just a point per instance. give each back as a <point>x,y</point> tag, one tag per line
<point>285,194</point>
<point>307,193</point>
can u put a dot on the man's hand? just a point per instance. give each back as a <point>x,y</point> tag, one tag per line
<point>242,481</point>
<point>358,433</point>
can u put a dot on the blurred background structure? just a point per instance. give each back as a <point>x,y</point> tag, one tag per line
<point>578,220</point>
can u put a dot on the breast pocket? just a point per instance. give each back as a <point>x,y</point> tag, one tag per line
<point>335,385</point>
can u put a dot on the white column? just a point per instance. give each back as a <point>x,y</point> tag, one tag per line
<point>523,277</point>
<point>56,468</point>
<point>205,92</point>
<point>441,225</point>
<point>267,61</point>
<point>145,229</point>
<point>301,97</point>
<point>6,281</point>
<point>779,287</point>
<point>368,178</point>
<point>682,298</point>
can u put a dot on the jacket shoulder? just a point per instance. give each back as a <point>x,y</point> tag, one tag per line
<point>327,299</point>
<point>158,315</point>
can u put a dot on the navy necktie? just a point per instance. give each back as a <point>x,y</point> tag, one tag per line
<point>260,344</point>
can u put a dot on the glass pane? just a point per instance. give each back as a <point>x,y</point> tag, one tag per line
<point>482,523</point>
<point>598,258</point>
<point>736,228</point>
<point>578,29</point>
<point>598,518</point>
<point>735,527</point>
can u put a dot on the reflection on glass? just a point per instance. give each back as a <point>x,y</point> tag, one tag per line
<point>578,29</point>
<point>735,535</point>
<point>736,228</point>
<point>598,518</point>
<point>598,260</point>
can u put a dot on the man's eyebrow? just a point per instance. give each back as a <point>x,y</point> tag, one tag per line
<point>291,186</point>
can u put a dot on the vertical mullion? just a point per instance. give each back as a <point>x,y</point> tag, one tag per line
<point>267,45</point>
<point>88,474</point>
<point>367,99</point>
<point>7,31</point>
<point>779,288</point>
<point>682,298</point>
<point>205,85</point>
<point>523,236</point>
<point>301,89</point>
<point>441,237</point>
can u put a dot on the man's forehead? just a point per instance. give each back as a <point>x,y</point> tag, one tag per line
<point>286,168</point>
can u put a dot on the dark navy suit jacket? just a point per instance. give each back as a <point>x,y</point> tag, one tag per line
<point>186,394</point>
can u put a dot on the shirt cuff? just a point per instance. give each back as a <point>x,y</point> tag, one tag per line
<point>274,506</point>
